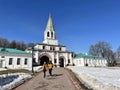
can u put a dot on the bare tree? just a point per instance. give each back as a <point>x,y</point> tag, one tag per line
<point>100,48</point>
<point>4,42</point>
<point>30,44</point>
<point>13,44</point>
<point>118,53</point>
<point>21,45</point>
<point>103,49</point>
<point>93,50</point>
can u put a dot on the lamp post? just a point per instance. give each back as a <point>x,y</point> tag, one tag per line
<point>32,59</point>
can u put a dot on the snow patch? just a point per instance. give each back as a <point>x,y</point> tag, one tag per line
<point>98,78</point>
<point>22,78</point>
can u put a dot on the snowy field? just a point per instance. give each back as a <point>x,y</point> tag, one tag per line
<point>99,78</point>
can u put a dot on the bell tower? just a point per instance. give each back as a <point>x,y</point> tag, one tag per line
<point>49,34</point>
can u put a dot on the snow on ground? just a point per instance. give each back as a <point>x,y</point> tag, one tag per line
<point>2,69</point>
<point>22,77</point>
<point>99,78</point>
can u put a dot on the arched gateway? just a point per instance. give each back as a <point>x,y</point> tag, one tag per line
<point>44,58</point>
<point>61,61</point>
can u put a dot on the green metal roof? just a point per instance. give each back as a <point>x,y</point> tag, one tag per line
<point>11,50</point>
<point>86,56</point>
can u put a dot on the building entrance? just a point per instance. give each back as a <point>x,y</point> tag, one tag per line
<point>61,62</point>
<point>44,59</point>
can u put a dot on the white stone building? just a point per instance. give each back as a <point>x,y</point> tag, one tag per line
<point>15,59</point>
<point>50,50</point>
<point>89,60</point>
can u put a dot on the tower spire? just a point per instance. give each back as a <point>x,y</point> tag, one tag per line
<point>49,34</point>
<point>50,24</point>
<point>49,14</point>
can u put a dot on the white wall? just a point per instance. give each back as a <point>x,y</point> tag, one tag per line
<point>47,47</point>
<point>14,62</point>
<point>90,62</point>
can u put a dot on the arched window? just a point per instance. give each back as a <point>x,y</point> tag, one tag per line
<point>68,60</point>
<point>50,48</point>
<point>59,48</point>
<point>52,34</point>
<point>48,34</point>
<point>55,61</point>
<point>53,49</point>
<point>43,47</point>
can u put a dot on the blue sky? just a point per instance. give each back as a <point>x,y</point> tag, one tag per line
<point>78,23</point>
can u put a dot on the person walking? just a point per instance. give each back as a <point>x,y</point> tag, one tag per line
<point>44,68</point>
<point>50,66</point>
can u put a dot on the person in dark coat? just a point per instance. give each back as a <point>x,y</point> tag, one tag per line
<point>44,68</point>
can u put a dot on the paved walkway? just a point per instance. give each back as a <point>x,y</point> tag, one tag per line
<point>59,81</point>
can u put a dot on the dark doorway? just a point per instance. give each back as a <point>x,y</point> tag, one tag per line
<point>61,62</point>
<point>44,59</point>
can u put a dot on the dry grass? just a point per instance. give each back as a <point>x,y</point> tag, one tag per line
<point>15,71</point>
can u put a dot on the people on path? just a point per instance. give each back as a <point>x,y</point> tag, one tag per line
<point>50,66</point>
<point>44,68</point>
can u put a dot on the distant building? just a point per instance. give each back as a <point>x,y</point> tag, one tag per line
<point>89,60</point>
<point>15,59</point>
<point>51,50</point>
<point>48,50</point>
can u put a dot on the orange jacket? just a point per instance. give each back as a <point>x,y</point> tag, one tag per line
<point>44,67</point>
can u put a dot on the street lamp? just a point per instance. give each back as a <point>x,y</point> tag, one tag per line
<point>32,59</point>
